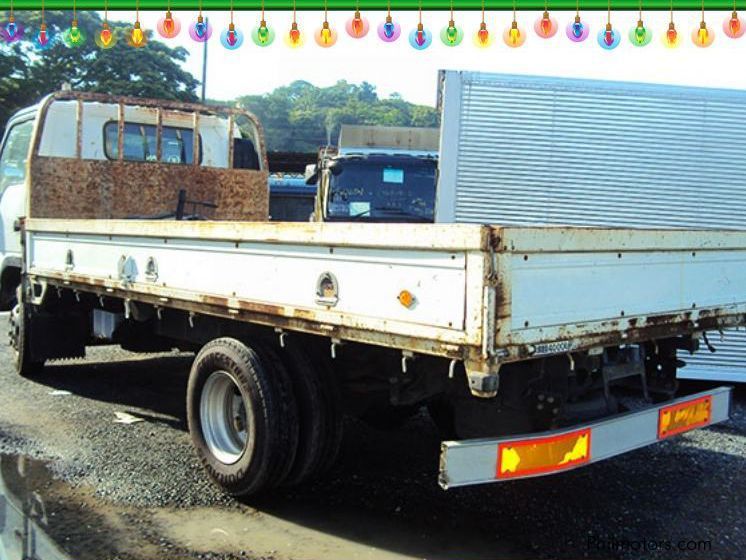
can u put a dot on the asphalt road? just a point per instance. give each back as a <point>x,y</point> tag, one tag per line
<point>135,491</point>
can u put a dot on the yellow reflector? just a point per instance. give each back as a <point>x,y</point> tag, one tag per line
<point>543,455</point>
<point>406,298</point>
<point>684,416</point>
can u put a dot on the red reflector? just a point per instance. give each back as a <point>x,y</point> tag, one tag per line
<point>543,455</point>
<point>684,416</point>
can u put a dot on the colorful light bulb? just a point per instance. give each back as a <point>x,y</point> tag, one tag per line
<point>482,38</point>
<point>514,36</point>
<point>451,35</point>
<point>325,36</point>
<point>262,35</point>
<point>200,30</point>
<point>11,31</point>
<point>389,31</point>
<point>733,27</point>
<point>231,38</point>
<point>420,38</point>
<point>294,37</point>
<point>546,26</point>
<point>671,37</point>
<point>357,26</point>
<point>105,38</point>
<point>702,36</point>
<point>73,37</point>
<point>577,31</point>
<point>136,36</point>
<point>609,38</point>
<point>43,39</point>
<point>168,26</point>
<point>639,35</point>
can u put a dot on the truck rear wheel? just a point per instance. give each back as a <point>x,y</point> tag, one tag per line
<point>312,415</point>
<point>242,416</point>
<point>19,341</point>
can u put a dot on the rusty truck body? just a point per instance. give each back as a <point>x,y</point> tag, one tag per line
<point>527,344</point>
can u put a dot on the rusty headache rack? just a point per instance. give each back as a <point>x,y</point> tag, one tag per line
<point>103,188</point>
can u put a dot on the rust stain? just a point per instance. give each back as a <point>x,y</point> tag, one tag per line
<point>69,188</point>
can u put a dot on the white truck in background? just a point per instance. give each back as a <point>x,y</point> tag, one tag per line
<point>537,349</point>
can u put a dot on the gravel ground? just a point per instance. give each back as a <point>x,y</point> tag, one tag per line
<point>136,491</point>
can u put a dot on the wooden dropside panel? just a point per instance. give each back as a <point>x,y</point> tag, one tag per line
<point>69,188</point>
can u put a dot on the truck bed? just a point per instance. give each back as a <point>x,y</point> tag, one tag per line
<point>483,294</point>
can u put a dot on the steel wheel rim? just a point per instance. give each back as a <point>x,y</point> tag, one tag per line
<point>224,417</point>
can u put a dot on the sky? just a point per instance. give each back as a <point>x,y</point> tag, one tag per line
<point>397,67</point>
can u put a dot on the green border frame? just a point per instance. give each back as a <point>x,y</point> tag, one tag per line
<point>349,5</point>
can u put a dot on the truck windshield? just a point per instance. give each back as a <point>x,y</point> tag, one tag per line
<point>382,189</point>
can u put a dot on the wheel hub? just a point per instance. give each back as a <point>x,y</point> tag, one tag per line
<point>223,417</point>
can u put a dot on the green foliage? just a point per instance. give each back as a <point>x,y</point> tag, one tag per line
<point>26,75</point>
<point>301,117</point>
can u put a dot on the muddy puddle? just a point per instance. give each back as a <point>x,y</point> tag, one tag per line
<point>43,518</point>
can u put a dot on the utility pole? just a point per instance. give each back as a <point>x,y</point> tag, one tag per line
<point>204,63</point>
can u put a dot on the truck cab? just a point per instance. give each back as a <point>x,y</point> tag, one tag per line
<point>377,174</point>
<point>13,170</point>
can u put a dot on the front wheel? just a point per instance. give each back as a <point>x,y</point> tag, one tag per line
<point>19,336</point>
<point>242,416</point>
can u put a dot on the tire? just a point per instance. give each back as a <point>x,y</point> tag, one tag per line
<point>333,412</point>
<point>19,335</point>
<point>313,417</point>
<point>232,386</point>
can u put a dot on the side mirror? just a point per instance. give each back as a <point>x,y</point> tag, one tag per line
<point>312,174</point>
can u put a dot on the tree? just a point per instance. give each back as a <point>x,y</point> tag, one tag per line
<point>27,74</point>
<point>301,117</point>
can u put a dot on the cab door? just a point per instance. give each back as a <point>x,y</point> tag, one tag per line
<point>13,159</point>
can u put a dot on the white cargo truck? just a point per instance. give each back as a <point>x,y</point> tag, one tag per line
<point>537,349</point>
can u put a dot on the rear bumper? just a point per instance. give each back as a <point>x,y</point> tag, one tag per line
<point>475,461</point>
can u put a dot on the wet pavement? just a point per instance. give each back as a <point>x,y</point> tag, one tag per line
<point>90,487</point>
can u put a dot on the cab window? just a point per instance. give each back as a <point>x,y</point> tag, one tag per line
<point>140,143</point>
<point>14,155</point>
